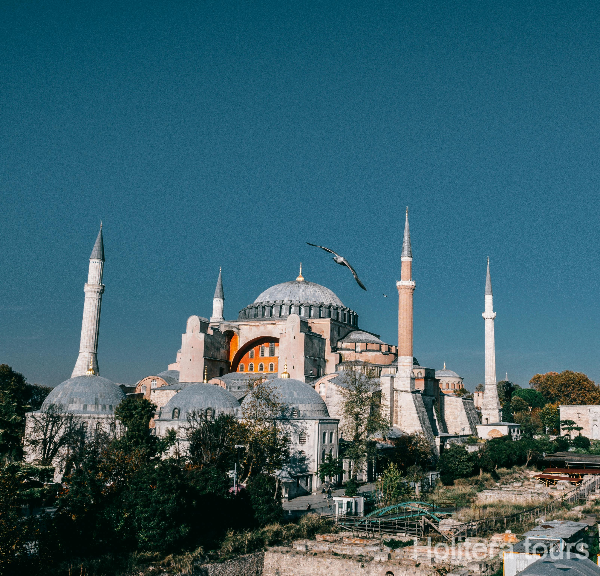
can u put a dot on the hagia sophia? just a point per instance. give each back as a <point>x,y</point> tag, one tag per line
<point>300,338</point>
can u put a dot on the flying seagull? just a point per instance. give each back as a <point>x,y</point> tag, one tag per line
<point>341,261</point>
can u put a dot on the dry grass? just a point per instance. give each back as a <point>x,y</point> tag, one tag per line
<point>494,510</point>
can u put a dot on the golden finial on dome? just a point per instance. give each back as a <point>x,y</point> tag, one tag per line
<point>90,370</point>
<point>205,374</point>
<point>444,365</point>
<point>300,277</point>
<point>285,373</point>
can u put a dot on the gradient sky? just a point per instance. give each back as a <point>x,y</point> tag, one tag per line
<point>229,133</point>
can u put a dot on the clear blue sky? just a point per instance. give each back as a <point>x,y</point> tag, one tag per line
<point>209,134</point>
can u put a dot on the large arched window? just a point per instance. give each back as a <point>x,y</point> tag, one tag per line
<point>251,353</point>
<point>271,367</point>
<point>261,367</point>
<point>241,368</point>
<point>251,367</point>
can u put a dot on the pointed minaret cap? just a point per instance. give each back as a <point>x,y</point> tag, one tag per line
<point>406,249</point>
<point>98,251</point>
<point>488,280</point>
<point>219,289</point>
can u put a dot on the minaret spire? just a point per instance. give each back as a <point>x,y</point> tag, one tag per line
<point>490,409</point>
<point>406,288</point>
<point>87,361</point>
<point>218,300</point>
<point>406,248</point>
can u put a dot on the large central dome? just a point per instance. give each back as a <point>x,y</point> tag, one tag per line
<point>301,292</point>
<point>306,299</point>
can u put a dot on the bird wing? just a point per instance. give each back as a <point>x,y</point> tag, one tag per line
<point>323,248</point>
<point>354,274</point>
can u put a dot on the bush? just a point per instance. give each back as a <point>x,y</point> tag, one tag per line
<point>455,462</point>
<point>581,442</point>
<point>265,496</point>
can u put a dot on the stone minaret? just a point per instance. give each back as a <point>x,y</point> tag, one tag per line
<point>490,409</point>
<point>88,346</point>
<point>218,301</point>
<point>406,288</point>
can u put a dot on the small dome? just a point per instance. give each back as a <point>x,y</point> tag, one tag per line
<point>446,374</point>
<point>86,395</point>
<point>296,394</point>
<point>361,336</point>
<point>301,292</point>
<point>200,397</point>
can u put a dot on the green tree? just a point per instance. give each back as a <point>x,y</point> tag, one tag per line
<point>455,462</point>
<point>550,418</point>
<point>411,450</point>
<point>362,417</point>
<point>533,398</point>
<point>265,496</point>
<point>135,415</point>
<point>392,487</point>
<point>212,441</point>
<point>330,468</point>
<point>519,404</point>
<point>570,426</point>
<point>566,388</point>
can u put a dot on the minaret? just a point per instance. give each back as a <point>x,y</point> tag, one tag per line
<point>88,346</point>
<point>406,287</point>
<point>490,409</point>
<point>218,301</point>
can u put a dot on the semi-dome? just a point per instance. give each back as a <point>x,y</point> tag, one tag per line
<point>361,337</point>
<point>301,292</point>
<point>301,399</point>
<point>200,398</point>
<point>86,395</point>
<point>446,374</point>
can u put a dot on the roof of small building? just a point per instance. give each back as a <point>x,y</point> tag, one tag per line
<point>362,337</point>
<point>86,395</point>
<point>565,563</point>
<point>297,394</point>
<point>301,292</point>
<point>563,529</point>
<point>199,397</point>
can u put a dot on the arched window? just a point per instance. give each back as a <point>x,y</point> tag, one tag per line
<point>262,351</point>
<point>98,427</point>
<point>261,367</point>
<point>295,413</point>
<point>209,413</point>
<point>113,427</point>
<point>271,348</point>
<point>153,384</point>
<point>251,353</point>
<point>302,438</point>
<point>175,415</point>
<point>271,367</point>
<point>143,389</point>
<point>251,367</point>
<point>241,368</point>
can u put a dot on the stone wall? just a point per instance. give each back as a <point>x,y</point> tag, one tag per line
<point>287,562</point>
<point>248,565</point>
<point>460,415</point>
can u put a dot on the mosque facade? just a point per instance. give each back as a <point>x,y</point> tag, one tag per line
<point>300,338</point>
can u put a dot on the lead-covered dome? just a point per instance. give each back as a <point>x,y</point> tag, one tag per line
<point>199,398</point>
<point>86,395</point>
<point>306,299</point>
<point>301,292</point>
<point>301,399</point>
